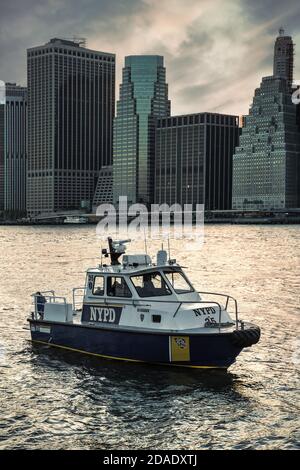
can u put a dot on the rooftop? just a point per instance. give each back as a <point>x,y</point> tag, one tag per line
<point>78,43</point>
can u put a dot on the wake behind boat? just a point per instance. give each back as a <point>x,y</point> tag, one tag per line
<point>137,310</point>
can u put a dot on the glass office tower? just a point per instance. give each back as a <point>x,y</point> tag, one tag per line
<point>143,98</point>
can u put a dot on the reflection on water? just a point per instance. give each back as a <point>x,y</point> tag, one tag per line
<point>55,399</point>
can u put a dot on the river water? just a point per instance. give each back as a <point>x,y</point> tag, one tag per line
<point>51,399</point>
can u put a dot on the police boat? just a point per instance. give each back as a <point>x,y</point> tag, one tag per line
<point>140,311</point>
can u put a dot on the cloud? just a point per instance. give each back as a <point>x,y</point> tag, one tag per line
<point>28,23</point>
<point>215,52</point>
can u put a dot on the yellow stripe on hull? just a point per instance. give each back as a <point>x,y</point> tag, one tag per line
<point>123,358</point>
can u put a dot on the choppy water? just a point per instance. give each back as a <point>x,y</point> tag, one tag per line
<point>52,400</point>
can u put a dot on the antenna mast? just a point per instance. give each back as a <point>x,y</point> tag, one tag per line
<point>145,241</point>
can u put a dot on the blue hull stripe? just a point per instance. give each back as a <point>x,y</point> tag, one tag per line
<point>125,359</point>
<point>205,350</point>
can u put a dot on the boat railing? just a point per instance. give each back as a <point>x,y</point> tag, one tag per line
<point>229,299</point>
<point>179,303</point>
<point>44,292</point>
<point>210,302</point>
<point>40,299</point>
<point>78,296</point>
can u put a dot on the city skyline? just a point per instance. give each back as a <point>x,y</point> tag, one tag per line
<point>215,54</point>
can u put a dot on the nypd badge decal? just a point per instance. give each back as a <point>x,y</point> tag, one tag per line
<point>179,348</point>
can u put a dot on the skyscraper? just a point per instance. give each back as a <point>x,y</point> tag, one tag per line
<point>283,64</point>
<point>15,158</point>
<point>193,162</point>
<point>143,97</point>
<point>104,189</point>
<point>266,164</point>
<point>71,95</point>
<point>2,132</point>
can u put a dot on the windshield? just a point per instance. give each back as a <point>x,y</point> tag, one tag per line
<point>150,285</point>
<point>178,281</point>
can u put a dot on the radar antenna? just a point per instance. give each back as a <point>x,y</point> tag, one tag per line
<point>116,249</point>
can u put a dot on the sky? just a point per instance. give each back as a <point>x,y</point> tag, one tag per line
<point>215,51</point>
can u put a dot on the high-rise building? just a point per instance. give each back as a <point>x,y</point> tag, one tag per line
<point>2,133</point>
<point>193,163</point>
<point>15,156</point>
<point>104,189</point>
<point>267,162</point>
<point>71,96</point>
<point>143,97</point>
<point>283,65</point>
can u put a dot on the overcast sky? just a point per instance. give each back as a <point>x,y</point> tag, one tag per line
<point>215,51</point>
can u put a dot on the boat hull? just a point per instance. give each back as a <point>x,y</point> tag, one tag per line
<point>211,350</point>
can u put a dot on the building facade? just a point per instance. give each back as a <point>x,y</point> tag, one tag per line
<point>2,112</point>
<point>266,164</point>
<point>71,96</point>
<point>193,162</point>
<point>283,64</point>
<point>143,97</point>
<point>14,121</point>
<point>104,189</point>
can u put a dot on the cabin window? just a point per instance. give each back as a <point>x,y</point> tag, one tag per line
<point>150,285</point>
<point>117,287</point>
<point>98,288</point>
<point>178,282</point>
